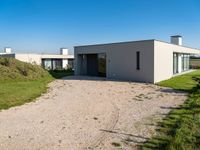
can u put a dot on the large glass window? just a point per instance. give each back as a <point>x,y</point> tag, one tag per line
<point>102,64</point>
<point>185,62</point>
<point>57,64</point>
<point>52,64</point>
<point>182,62</point>
<point>46,63</point>
<point>188,62</point>
<point>175,63</point>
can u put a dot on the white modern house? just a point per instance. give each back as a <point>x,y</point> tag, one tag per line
<point>143,61</point>
<point>48,61</point>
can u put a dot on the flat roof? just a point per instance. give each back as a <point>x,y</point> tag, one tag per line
<point>134,42</point>
<point>115,43</point>
<point>59,56</point>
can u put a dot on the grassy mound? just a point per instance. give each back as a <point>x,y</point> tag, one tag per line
<point>12,69</point>
<point>21,82</point>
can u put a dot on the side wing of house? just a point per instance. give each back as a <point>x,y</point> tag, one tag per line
<point>56,61</point>
<point>170,59</point>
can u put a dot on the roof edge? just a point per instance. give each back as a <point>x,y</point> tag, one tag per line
<point>115,43</point>
<point>135,41</point>
<point>177,45</point>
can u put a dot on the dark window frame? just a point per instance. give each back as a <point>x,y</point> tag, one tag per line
<point>138,60</point>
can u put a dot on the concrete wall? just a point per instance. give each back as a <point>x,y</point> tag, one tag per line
<point>121,59</point>
<point>163,62</point>
<point>29,58</point>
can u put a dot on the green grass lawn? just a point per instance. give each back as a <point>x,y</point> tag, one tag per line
<point>14,93</point>
<point>180,130</point>
<point>182,82</point>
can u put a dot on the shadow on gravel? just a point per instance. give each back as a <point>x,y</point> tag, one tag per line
<point>168,90</point>
<point>126,134</point>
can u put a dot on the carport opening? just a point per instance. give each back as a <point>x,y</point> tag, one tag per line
<point>94,64</point>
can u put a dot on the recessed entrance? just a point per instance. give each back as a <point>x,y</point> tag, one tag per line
<point>93,64</point>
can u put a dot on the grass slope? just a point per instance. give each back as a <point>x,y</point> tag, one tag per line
<point>15,70</point>
<point>14,93</point>
<point>180,130</point>
<point>22,82</point>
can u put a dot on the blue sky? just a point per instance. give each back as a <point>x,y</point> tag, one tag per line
<point>46,25</point>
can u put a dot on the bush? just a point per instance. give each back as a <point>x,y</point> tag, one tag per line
<point>61,73</point>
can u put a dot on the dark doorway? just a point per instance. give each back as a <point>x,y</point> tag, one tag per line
<point>92,65</point>
<point>96,65</point>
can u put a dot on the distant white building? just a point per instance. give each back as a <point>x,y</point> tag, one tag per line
<point>48,61</point>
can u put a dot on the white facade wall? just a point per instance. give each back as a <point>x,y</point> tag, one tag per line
<point>29,58</point>
<point>163,62</point>
<point>52,56</point>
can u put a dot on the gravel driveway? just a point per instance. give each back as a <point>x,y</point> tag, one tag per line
<point>87,113</point>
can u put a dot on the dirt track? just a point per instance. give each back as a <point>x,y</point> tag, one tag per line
<point>87,113</point>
